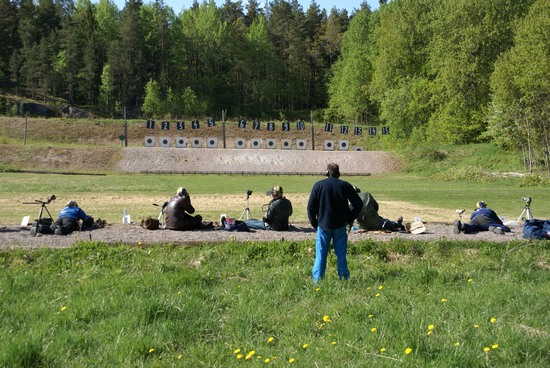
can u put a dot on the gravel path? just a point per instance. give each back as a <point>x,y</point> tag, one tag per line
<point>16,237</point>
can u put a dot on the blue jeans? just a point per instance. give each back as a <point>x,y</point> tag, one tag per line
<point>257,224</point>
<point>322,245</point>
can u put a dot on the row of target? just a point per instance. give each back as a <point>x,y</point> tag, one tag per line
<point>240,143</point>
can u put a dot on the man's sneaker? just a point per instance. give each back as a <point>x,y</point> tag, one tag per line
<point>400,220</point>
<point>496,230</point>
<point>457,227</point>
<point>58,231</point>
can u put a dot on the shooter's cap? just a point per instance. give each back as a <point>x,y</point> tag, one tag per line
<point>277,189</point>
<point>481,204</point>
<point>181,191</point>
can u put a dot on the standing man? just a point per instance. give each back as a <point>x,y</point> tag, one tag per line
<point>332,204</point>
<point>279,209</point>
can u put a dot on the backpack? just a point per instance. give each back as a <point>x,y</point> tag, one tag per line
<point>42,226</point>
<point>536,229</point>
<point>150,223</point>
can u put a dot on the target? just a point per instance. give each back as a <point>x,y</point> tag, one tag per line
<point>212,142</point>
<point>149,142</point>
<point>301,144</point>
<point>164,141</point>
<point>256,143</point>
<point>181,142</point>
<point>329,145</point>
<point>343,145</point>
<point>286,144</point>
<point>196,142</point>
<point>240,143</point>
<point>271,143</point>
<point>357,148</point>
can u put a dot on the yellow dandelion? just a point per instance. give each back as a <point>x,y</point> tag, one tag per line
<point>380,287</point>
<point>486,349</point>
<point>291,360</point>
<point>271,339</point>
<point>63,308</point>
<point>139,243</point>
<point>493,320</point>
<point>494,346</point>
<point>408,351</point>
<point>373,329</point>
<point>236,351</point>
<point>368,288</point>
<point>333,343</point>
<point>371,315</point>
<point>476,326</point>
<point>247,357</point>
<point>431,327</point>
<point>457,343</point>
<point>239,356</point>
<point>251,352</point>
<point>305,346</point>
<point>470,280</point>
<point>443,300</point>
<point>267,360</point>
<point>326,319</point>
<point>151,350</point>
<point>382,350</point>
<point>317,289</point>
<point>429,332</point>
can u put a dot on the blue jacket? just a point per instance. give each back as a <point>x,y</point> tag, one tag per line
<point>332,204</point>
<point>489,214</point>
<point>72,212</point>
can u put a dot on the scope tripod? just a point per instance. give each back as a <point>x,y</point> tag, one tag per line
<point>527,212</point>
<point>162,214</point>
<point>38,223</point>
<point>246,209</point>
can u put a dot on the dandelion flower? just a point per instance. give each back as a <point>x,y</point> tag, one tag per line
<point>180,356</point>
<point>291,360</point>
<point>333,343</point>
<point>236,351</point>
<point>247,357</point>
<point>380,287</point>
<point>139,243</point>
<point>368,288</point>
<point>371,315</point>
<point>429,332</point>
<point>63,308</point>
<point>239,356</point>
<point>305,346</point>
<point>373,329</point>
<point>476,326</point>
<point>457,343</point>
<point>151,350</point>
<point>270,339</point>
<point>493,320</point>
<point>486,349</point>
<point>494,346</point>
<point>431,327</point>
<point>317,289</point>
<point>326,319</point>
<point>252,352</point>
<point>267,360</point>
<point>443,300</point>
<point>408,351</point>
<point>470,280</point>
<point>382,350</point>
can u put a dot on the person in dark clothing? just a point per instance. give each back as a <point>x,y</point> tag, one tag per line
<point>279,209</point>
<point>369,219</point>
<point>69,217</point>
<point>332,204</point>
<point>179,212</point>
<point>482,219</point>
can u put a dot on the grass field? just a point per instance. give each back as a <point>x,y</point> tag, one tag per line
<point>407,304</point>
<point>407,195</point>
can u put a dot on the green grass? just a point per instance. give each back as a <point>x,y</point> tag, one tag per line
<point>99,195</point>
<point>94,305</point>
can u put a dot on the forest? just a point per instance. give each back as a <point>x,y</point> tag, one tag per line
<point>435,71</point>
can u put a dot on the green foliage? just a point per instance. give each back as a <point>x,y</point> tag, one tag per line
<point>226,304</point>
<point>534,180</point>
<point>468,173</point>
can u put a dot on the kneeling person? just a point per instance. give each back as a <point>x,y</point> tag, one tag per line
<point>69,217</point>
<point>179,210</point>
<point>369,219</point>
<point>279,209</point>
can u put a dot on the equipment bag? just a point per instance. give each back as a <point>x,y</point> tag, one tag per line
<point>42,226</point>
<point>536,229</point>
<point>150,223</point>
